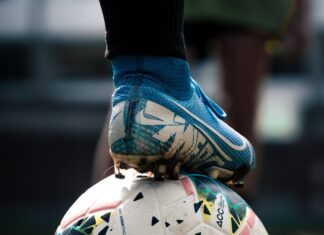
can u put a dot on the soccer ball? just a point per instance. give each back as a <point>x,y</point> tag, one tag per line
<point>194,204</point>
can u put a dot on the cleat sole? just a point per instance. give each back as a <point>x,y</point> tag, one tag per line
<point>162,167</point>
<point>166,167</point>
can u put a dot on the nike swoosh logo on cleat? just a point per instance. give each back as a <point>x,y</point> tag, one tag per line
<point>227,141</point>
<point>149,116</point>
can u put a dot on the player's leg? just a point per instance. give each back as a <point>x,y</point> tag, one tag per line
<point>103,165</point>
<point>161,119</point>
<point>245,62</point>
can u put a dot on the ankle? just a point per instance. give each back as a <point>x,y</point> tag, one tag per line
<point>172,73</point>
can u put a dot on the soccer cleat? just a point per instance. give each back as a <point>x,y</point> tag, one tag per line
<point>151,130</point>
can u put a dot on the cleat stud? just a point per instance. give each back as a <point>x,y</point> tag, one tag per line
<point>119,176</point>
<point>117,170</point>
<point>158,177</point>
<point>239,184</point>
<point>174,177</point>
<point>162,169</point>
<point>229,183</point>
<point>175,171</point>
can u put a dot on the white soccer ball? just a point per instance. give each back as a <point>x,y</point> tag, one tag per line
<point>194,204</point>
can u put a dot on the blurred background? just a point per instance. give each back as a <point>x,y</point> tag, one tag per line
<point>55,90</point>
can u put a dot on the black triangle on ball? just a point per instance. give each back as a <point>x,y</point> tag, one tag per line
<point>154,221</point>
<point>138,197</point>
<point>206,211</point>
<point>179,221</point>
<point>106,217</point>
<point>197,206</point>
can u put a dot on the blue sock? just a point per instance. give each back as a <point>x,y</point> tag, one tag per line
<point>171,72</point>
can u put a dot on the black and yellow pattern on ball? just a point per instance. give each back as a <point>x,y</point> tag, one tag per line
<point>87,225</point>
<point>208,190</point>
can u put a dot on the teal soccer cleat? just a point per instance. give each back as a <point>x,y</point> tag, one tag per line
<point>154,130</point>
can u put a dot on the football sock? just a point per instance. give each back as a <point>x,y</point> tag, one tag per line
<point>145,27</point>
<point>171,73</point>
